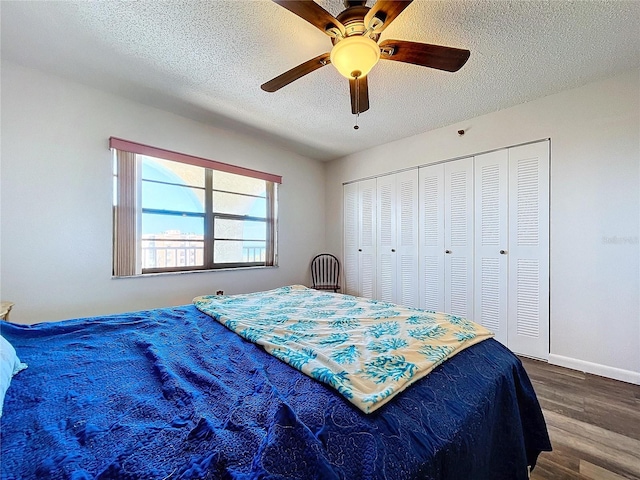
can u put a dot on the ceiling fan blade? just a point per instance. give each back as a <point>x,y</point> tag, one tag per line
<point>434,56</point>
<point>312,13</point>
<point>359,94</point>
<point>296,72</point>
<point>387,11</point>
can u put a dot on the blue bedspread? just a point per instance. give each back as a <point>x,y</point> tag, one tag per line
<point>171,393</point>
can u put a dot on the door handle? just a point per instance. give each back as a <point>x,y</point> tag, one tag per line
<point>447,251</point>
<point>359,249</point>
<point>393,250</point>
<point>503,252</point>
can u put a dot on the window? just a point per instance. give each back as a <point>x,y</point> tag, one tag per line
<point>174,212</point>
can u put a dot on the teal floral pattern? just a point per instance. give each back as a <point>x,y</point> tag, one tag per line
<point>344,323</point>
<point>423,333</point>
<point>367,350</point>
<point>338,380</point>
<point>388,366</point>
<point>346,355</point>
<point>334,339</point>
<point>295,358</point>
<point>385,328</point>
<point>387,345</point>
<point>421,320</point>
<point>375,398</point>
<point>463,336</point>
<point>436,353</point>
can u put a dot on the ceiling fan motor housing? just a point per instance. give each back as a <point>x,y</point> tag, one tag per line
<point>354,3</point>
<point>353,20</point>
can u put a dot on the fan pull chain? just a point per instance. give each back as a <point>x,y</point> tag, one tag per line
<point>356,127</point>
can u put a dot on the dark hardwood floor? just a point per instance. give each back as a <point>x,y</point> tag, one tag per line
<point>593,422</point>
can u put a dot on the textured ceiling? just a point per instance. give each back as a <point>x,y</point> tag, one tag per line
<point>206,60</point>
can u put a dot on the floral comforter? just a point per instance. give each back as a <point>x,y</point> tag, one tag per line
<point>367,350</point>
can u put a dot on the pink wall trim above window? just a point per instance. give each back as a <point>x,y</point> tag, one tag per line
<point>140,149</point>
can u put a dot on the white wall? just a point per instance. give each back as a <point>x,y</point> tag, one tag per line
<point>595,209</point>
<point>56,197</point>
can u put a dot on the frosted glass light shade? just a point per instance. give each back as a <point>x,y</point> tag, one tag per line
<point>355,56</point>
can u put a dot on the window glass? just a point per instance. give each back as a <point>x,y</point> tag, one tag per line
<point>239,204</point>
<point>171,172</point>
<point>160,196</point>
<point>171,225</point>
<point>239,229</point>
<point>165,253</point>
<point>239,251</point>
<point>230,182</point>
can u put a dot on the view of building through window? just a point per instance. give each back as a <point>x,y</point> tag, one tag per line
<point>174,219</point>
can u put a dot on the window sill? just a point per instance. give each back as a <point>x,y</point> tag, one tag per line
<point>188,272</point>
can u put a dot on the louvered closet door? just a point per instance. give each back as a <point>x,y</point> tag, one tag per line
<point>351,237</point>
<point>458,259</point>
<point>529,250</point>
<point>367,238</point>
<point>431,237</point>
<point>407,238</point>
<point>491,242</point>
<point>386,246</point>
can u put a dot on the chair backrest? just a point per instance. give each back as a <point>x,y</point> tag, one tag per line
<point>325,272</point>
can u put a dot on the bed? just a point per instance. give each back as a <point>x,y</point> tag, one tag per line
<point>173,393</point>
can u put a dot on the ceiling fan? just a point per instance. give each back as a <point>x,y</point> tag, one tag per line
<point>354,34</point>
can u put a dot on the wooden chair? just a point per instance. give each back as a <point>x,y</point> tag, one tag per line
<point>325,272</point>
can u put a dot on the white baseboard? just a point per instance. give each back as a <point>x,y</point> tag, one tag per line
<point>628,376</point>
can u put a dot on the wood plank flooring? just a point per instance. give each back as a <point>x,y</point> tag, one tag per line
<point>593,422</point>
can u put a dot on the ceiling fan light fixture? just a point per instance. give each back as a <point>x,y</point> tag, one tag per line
<point>355,56</point>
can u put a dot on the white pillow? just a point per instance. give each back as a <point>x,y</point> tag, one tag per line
<point>9,365</point>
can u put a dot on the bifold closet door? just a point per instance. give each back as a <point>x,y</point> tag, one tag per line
<point>360,238</point>
<point>386,238</point>
<point>397,247</point>
<point>367,238</point>
<point>528,306</point>
<point>458,237</point>
<point>491,242</point>
<point>351,239</point>
<point>407,238</point>
<point>431,237</point>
